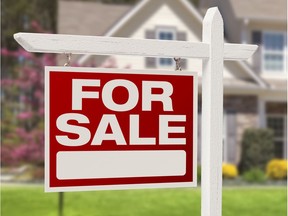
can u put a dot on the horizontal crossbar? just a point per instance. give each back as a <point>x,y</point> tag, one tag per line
<point>97,45</point>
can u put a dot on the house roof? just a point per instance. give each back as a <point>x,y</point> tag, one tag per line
<point>88,18</point>
<point>272,10</point>
<point>236,83</point>
<point>260,9</point>
<point>141,3</point>
<point>111,24</point>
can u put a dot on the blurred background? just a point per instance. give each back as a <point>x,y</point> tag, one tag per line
<point>255,101</point>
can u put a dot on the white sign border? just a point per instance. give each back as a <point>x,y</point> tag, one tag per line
<point>49,69</point>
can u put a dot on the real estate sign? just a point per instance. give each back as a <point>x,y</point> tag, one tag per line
<point>119,129</point>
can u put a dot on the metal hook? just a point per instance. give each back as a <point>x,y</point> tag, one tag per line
<point>68,55</point>
<point>178,64</point>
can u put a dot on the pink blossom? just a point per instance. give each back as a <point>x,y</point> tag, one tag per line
<point>25,142</point>
<point>5,52</point>
<point>6,155</point>
<point>7,82</point>
<point>41,111</point>
<point>25,54</point>
<point>25,115</point>
<point>28,135</point>
<point>110,63</point>
<point>38,94</point>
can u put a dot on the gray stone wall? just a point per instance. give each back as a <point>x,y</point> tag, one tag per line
<point>246,111</point>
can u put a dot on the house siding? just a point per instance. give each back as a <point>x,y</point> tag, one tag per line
<point>153,16</point>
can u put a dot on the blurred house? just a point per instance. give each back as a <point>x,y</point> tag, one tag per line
<point>255,91</point>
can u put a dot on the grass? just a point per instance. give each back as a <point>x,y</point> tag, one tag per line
<point>244,201</point>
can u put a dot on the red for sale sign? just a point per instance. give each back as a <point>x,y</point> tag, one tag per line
<point>119,129</point>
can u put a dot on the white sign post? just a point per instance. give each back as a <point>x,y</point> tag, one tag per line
<point>212,50</point>
<point>212,116</point>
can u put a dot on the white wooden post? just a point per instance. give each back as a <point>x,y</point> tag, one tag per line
<point>212,115</point>
<point>95,45</point>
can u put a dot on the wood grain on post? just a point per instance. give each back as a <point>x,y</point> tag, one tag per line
<point>96,45</point>
<point>212,115</point>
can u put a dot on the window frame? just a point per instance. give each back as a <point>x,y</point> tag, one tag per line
<point>159,30</point>
<point>283,53</point>
<point>284,138</point>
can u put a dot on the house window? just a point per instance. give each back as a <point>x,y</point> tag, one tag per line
<point>274,51</point>
<point>229,136</point>
<point>166,34</point>
<point>278,124</point>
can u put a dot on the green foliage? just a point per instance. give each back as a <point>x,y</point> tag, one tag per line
<point>254,175</point>
<point>17,15</point>
<point>198,174</point>
<point>8,121</point>
<point>257,149</point>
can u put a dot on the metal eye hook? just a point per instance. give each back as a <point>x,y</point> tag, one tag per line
<point>178,64</point>
<point>68,55</point>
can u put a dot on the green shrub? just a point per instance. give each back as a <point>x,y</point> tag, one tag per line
<point>198,174</point>
<point>257,149</point>
<point>254,175</point>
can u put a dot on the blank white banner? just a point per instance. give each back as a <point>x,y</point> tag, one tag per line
<point>120,164</point>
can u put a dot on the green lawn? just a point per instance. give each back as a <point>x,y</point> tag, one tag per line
<point>31,200</point>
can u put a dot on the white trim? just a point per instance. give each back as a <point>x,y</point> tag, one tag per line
<point>127,17</point>
<point>140,5</point>
<point>192,9</point>
<point>263,19</point>
<point>252,74</point>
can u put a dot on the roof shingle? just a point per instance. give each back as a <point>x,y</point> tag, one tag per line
<point>88,18</point>
<point>260,9</point>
